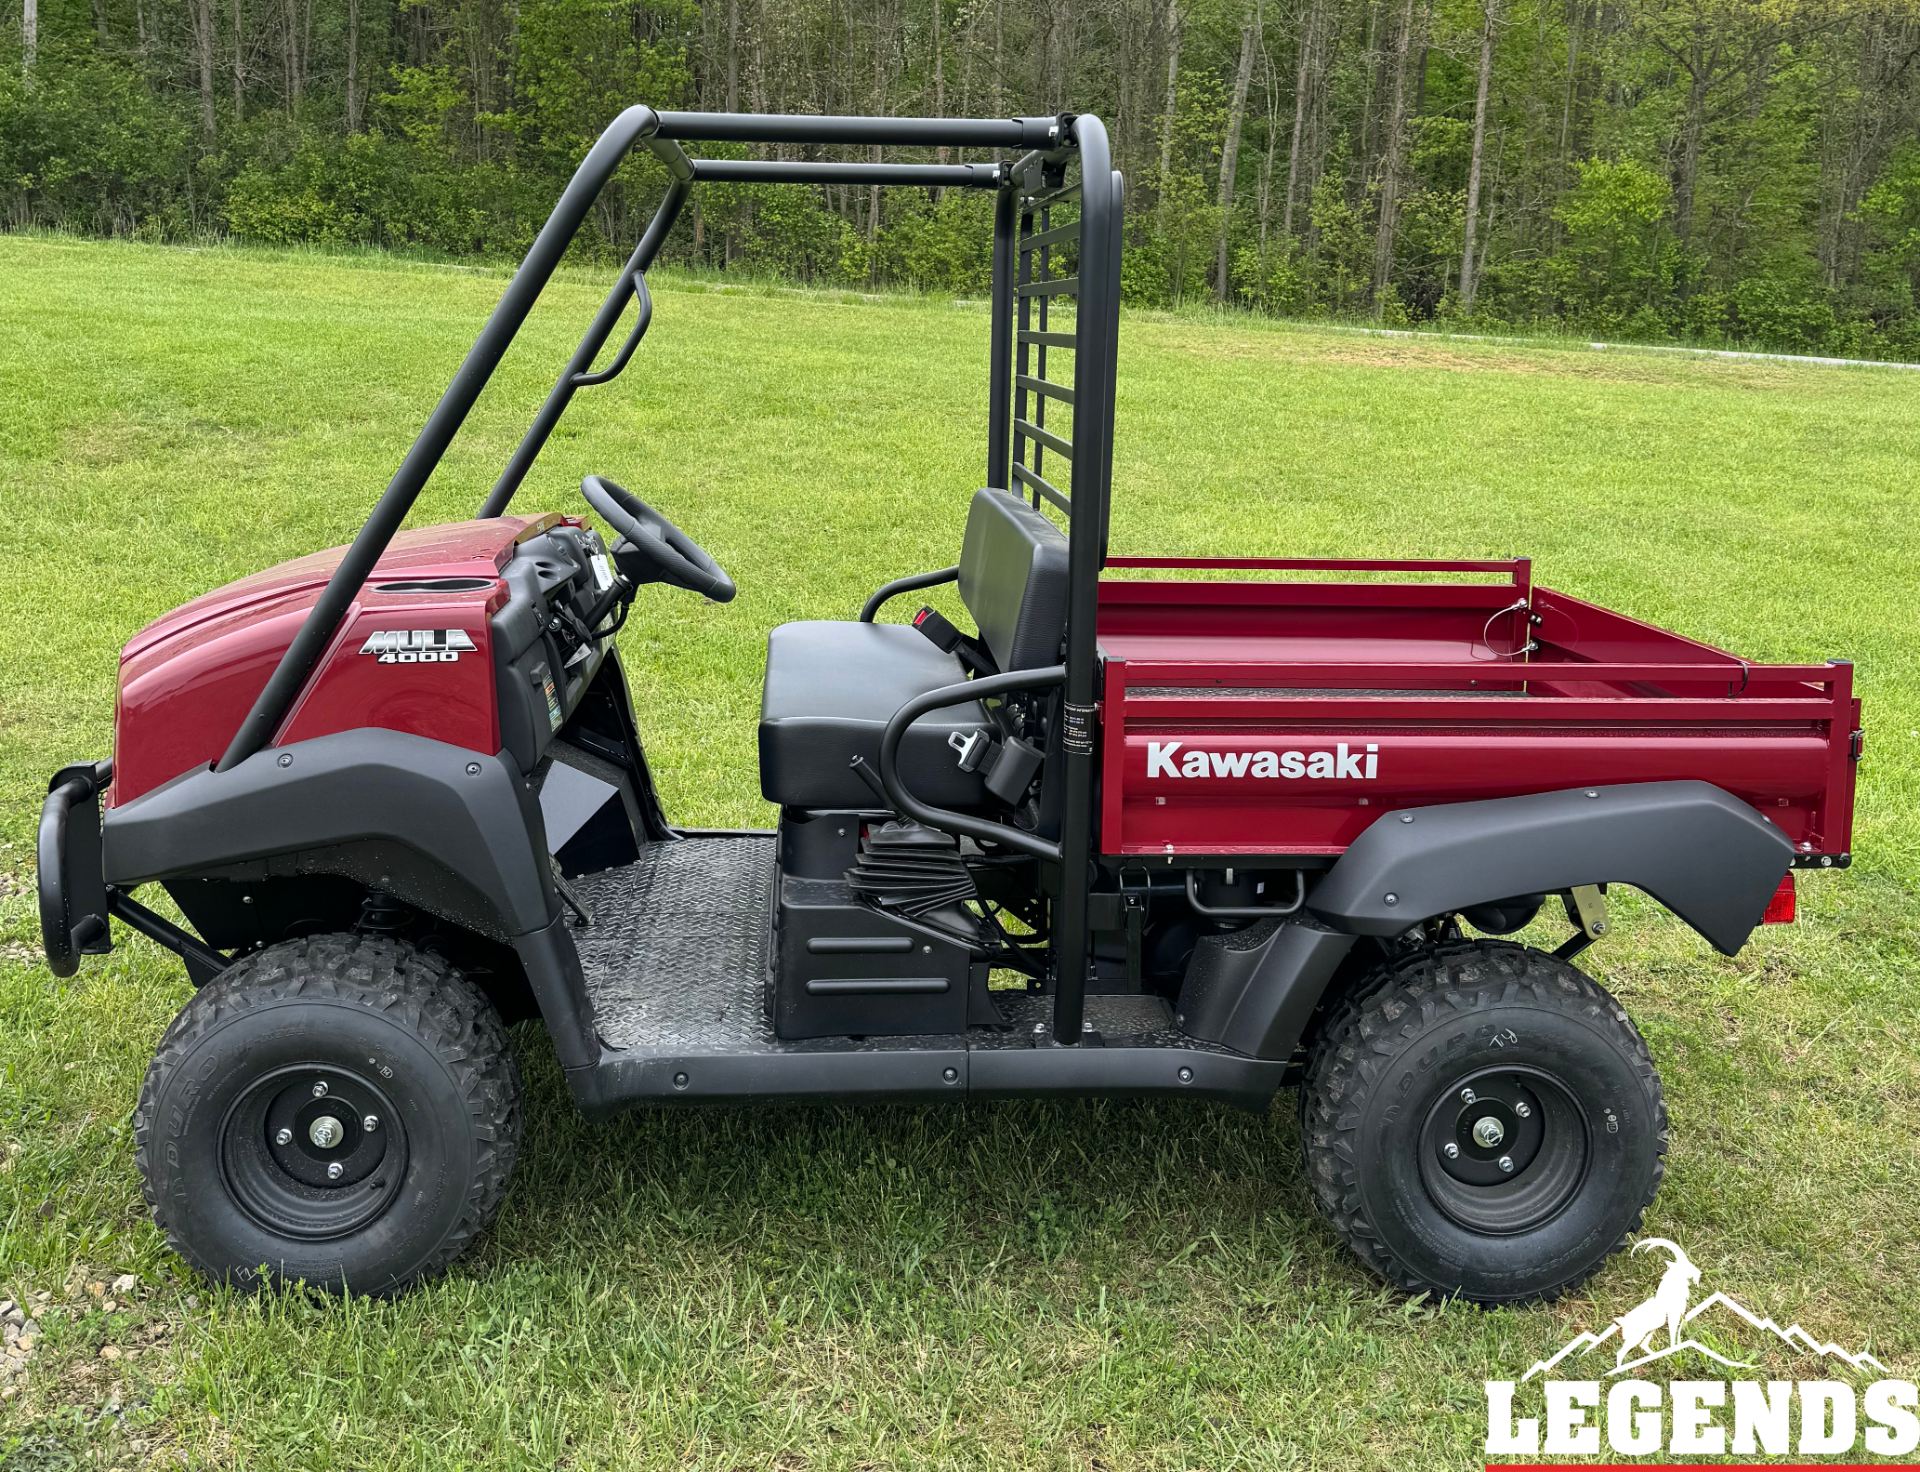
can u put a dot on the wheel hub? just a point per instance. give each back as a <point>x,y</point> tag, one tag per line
<point>1496,1126</point>
<point>1503,1150</point>
<point>309,1151</point>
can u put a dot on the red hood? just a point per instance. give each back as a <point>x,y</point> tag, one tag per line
<point>188,678</point>
<point>458,549</point>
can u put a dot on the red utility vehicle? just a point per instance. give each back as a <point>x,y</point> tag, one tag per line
<point>1132,835</point>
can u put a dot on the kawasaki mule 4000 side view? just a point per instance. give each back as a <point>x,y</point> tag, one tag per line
<point>1200,836</point>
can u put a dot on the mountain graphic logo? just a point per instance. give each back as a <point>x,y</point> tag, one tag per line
<point>1641,1339</point>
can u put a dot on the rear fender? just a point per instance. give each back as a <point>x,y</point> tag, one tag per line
<point>1707,856</point>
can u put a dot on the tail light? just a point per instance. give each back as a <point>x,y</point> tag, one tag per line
<point>1780,908</point>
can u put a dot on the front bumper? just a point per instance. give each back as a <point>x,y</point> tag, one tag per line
<point>73,890</point>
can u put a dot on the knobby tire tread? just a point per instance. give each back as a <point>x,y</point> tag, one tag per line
<point>1394,1004</point>
<point>416,990</point>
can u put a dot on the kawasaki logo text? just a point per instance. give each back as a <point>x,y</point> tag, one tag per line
<point>1164,760</point>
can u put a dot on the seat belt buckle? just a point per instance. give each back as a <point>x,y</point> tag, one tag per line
<point>972,746</point>
<point>939,629</point>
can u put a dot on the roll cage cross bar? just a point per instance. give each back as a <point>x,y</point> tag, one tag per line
<point>1026,294</point>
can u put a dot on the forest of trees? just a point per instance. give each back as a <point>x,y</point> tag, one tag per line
<point>1743,171</point>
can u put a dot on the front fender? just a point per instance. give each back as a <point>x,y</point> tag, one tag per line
<point>1703,853</point>
<point>454,832</point>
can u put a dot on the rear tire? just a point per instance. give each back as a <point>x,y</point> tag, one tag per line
<point>1482,1121</point>
<point>342,1110</point>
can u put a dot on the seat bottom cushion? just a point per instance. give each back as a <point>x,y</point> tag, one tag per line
<point>831,689</point>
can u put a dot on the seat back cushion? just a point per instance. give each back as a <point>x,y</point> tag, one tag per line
<point>1013,579</point>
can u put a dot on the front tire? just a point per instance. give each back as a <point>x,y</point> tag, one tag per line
<point>342,1110</point>
<point>1483,1121</point>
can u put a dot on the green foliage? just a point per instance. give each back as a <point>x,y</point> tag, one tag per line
<point>1742,172</point>
<point>88,147</point>
<point>1619,260</point>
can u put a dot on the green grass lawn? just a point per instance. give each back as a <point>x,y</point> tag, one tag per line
<point>1082,1285</point>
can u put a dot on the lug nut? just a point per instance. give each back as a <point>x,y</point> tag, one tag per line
<point>320,1089</point>
<point>285,1137</point>
<point>1467,1096</point>
<point>1523,1110</point>
<point>370,1123</point>
<point>335,1171</point>
<point>326,1132</point>
<point>1506,1163</point>
<point>1450,1150</point>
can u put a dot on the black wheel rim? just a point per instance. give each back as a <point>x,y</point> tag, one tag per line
<point>1504,1150</point>
<point>313,1151</point>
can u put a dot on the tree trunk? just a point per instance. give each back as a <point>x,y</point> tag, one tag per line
<point>203,53</point>
<point>100,21</point>
<point>1575,14</point>
<point>1468,279</point>
<point>879,110</point>
<point>939,83</point>
<point>1695,127</point>
<point>1392,155</point>
<point>1368,111</point>
<point>1263,210</point>
<point>757,64</point>
<point>1309,39</point>
<point>999,56</point>
<point>1230,149</point>
<point>733,55</point>
<point>1173,97</point>
<point>354,104</point>
<point>290,54</point>
<point>29,35</point>
<point>240,66</point>
<point>1054,57</point>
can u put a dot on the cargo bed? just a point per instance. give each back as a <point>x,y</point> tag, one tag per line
<point>1418,692</point>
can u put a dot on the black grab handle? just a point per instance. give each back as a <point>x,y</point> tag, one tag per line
<point>906,585</point>
<point>942,818</point>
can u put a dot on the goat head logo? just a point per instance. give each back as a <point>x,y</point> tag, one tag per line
<point>1671,1307</point>
<point>1668,1305</point>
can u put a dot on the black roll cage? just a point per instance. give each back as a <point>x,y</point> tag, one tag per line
<point>1024,293</point>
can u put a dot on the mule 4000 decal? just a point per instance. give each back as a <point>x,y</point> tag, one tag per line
<point>419,646</point>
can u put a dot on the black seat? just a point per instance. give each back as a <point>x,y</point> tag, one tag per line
<point>832,687</point>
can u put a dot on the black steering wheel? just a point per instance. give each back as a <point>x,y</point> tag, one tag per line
<point>651,548</point>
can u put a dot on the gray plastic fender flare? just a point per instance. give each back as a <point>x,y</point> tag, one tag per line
<point>1704,854</point>
<point>467,814</point>
<point>471,819</point>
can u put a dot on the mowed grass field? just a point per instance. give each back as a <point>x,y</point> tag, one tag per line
<point>1081,1285</point>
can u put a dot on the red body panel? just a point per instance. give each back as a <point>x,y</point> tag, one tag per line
<point>188,679</point>
<point>1421,693</point>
